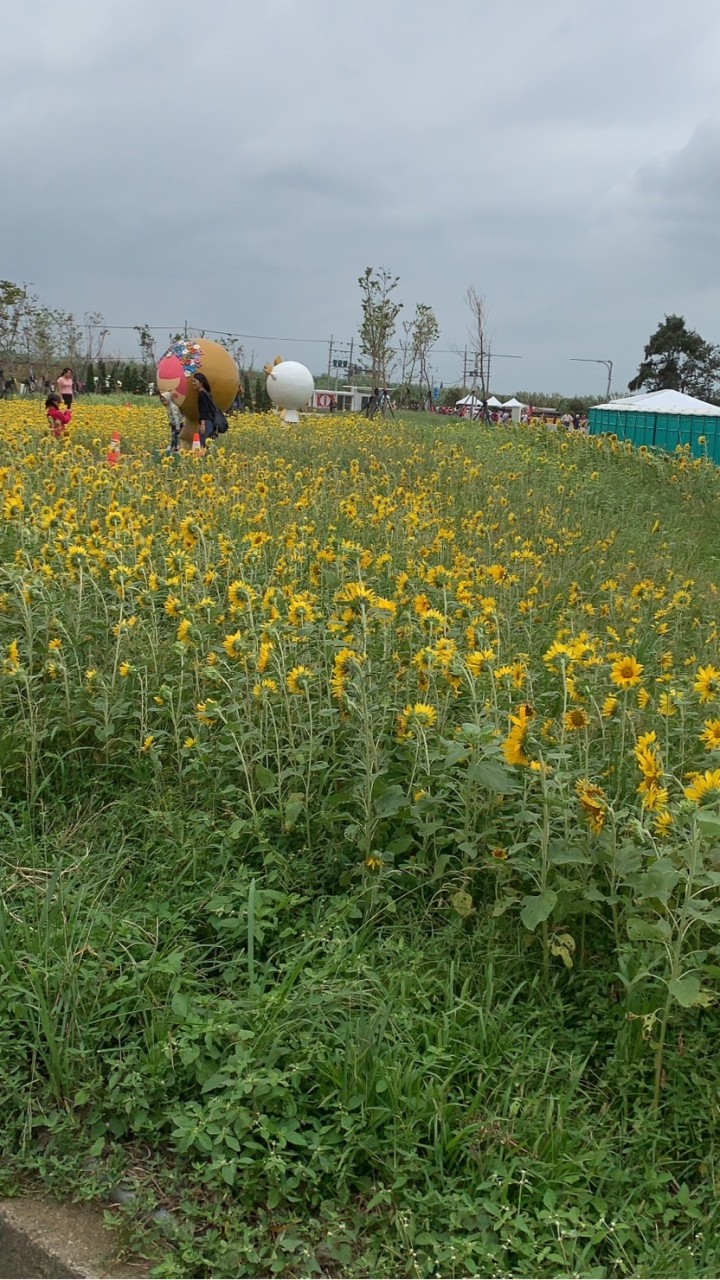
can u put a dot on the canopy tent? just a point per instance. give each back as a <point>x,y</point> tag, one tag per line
<point>515,406</point>
<point>662,419</point>
<point>470,406</point>
<point>662,402</point>
<point>494,403</point>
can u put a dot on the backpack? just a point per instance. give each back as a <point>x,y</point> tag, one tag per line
<point>220,421</point>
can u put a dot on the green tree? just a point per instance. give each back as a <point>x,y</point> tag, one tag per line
<point>261,398</point>
<point>247,393</point>
<point>678,358</point>
<point>147,343</point>
<point>449,396</point>
<point>380,312</point>
<point>90,377</point>
<point>16,310</point>
<point>425,333</point>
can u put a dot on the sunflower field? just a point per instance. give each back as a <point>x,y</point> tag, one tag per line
<point>360,858</point>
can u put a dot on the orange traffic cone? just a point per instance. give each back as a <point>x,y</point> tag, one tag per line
<point>113,453</point>
<point>196,445</point>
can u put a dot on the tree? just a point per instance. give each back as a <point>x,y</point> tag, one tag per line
<point>419,335</point>
<point>479,338</point>
<point>147,344</point>
<point>380,312</point>
<point>234,346</point>
<point>16,308</point>
<point>96,332</point>
<point>677,358</point>
<point>425,333</point>
<point>405,347</point>
<point>247,394</point>
<point>263,403</point>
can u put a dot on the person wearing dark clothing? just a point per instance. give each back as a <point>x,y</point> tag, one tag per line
<point>206,408</point>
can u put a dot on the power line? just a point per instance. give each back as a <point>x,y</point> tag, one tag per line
<point>257,337</point>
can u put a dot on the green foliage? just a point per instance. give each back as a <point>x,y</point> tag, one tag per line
<point>554,400</point>
<point>678,358</point>
<point>247,393</point>
<point>351,1000</point>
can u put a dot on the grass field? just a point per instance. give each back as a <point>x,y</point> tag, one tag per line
<point>361,844</point>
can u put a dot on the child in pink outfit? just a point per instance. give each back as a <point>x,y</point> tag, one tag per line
<point>58,418</point>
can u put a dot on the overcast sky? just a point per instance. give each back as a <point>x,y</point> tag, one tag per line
<point>238,163</point>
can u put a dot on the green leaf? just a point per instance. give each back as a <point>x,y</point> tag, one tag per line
<point>537,907</point>
<point>401,845</point>
<point>568,858</point>
<point>265,777</point>
<point>456,752</point>
<point>293,809</point>
<point>180,1005</point>
<point>685,990</point>
<point>701,910</point>
<point>390,802</point>
<point>640,930</point>
<point>708,823</point>
<point>492,776</point>
<point>659,880</point>
<point>463,904</point>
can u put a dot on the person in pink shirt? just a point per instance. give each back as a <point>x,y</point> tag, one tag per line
<point>64,386</point>
<point>58,418</point>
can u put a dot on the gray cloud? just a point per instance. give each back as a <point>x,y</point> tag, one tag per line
<point>238,165</point>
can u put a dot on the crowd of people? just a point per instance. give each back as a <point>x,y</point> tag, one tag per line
<point>530,415</point>
<point>211,420</point>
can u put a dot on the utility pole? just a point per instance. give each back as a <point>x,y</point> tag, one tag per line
<point>465,370</point>
<point>352,343</point>
<point>498,356</point>
<point>330,350</point>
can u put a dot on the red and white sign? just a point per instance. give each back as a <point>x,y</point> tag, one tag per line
<point>323,399</point>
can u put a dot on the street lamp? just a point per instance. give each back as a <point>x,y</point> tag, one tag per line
<point>608,365</point>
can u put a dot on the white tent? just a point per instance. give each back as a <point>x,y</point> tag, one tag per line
<point>661,402</point>
<point>515,406</point>
<point>470,406</point>
<point>494,403</point>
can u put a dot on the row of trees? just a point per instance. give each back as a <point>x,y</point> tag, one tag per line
<point>405,359</point>
<point>35,336</point>
<point>43,338</point>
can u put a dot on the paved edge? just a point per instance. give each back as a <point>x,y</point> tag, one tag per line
<point>44,1240</point>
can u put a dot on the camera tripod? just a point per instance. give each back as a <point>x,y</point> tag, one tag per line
<point>379,402</point>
